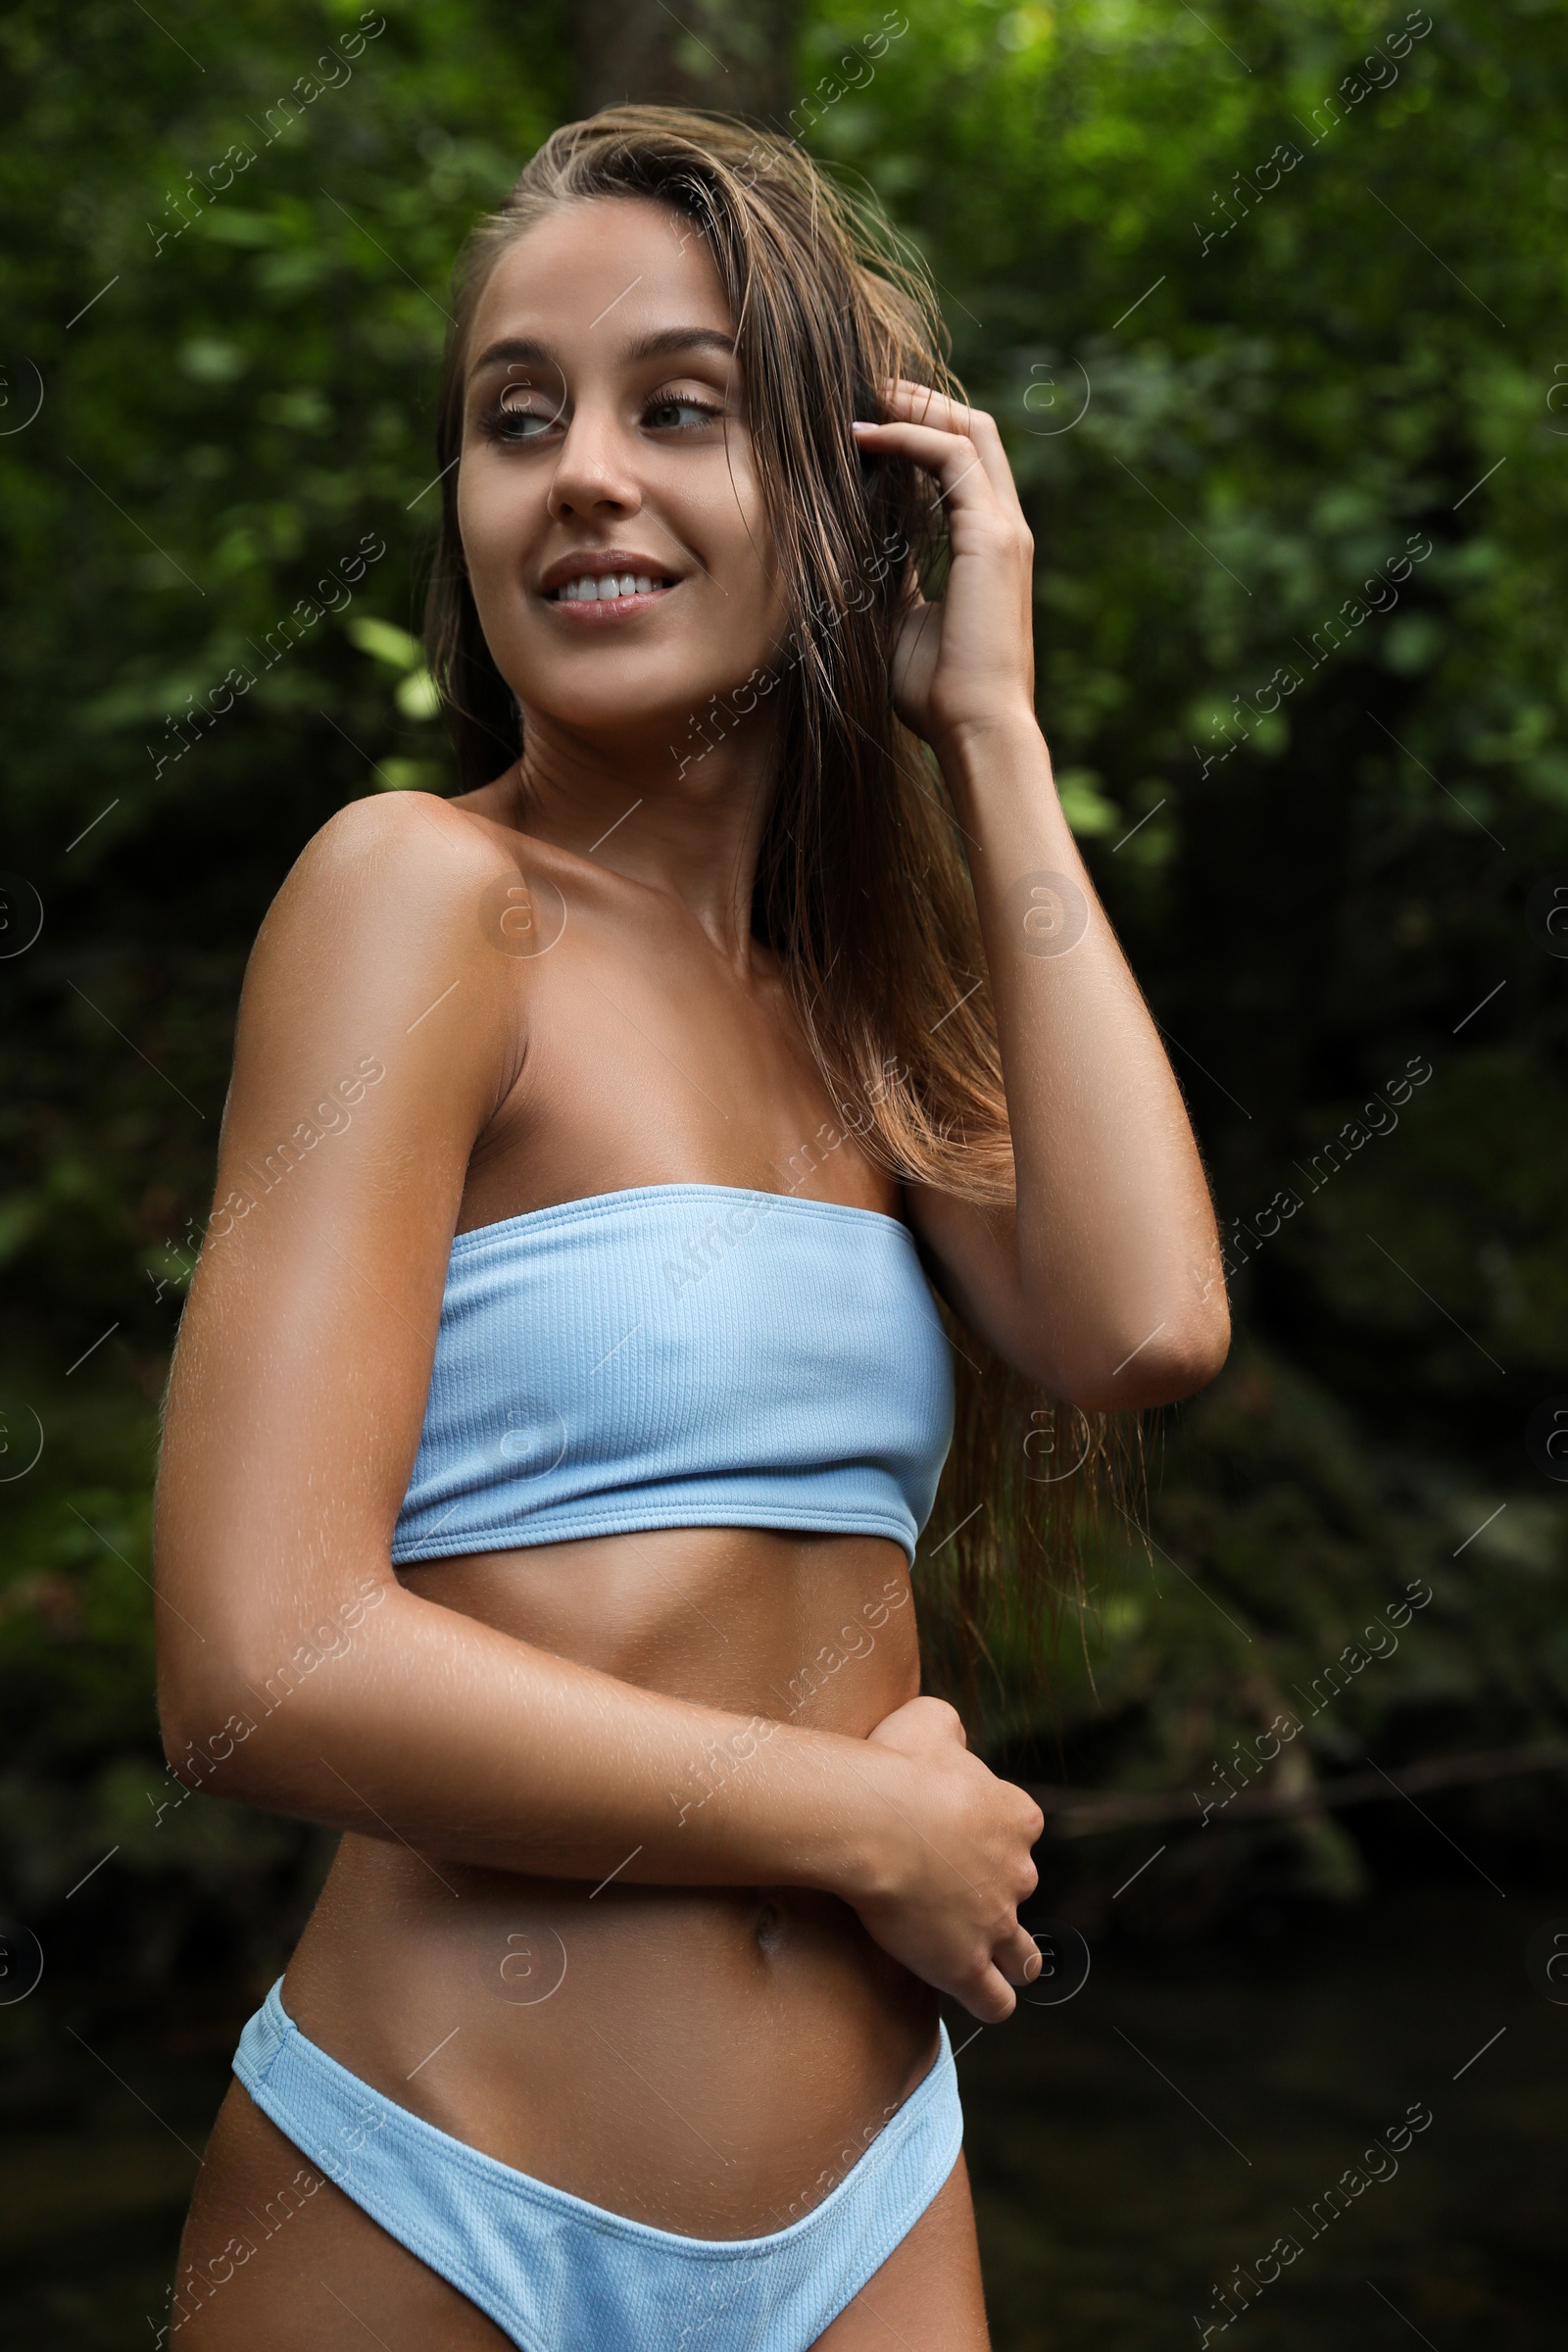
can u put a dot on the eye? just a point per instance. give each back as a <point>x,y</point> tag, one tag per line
<point>680,412</point>
<point>521,412</point>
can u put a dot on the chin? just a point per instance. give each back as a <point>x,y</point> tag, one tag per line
<point>617,690</point>
<point>620,715</point>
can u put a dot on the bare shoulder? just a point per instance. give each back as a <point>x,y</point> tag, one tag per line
<point>405,851</point>
<point>381,943</point>
<point>392,894</point>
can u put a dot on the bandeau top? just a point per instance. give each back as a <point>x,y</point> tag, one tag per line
<point>680,1356</point>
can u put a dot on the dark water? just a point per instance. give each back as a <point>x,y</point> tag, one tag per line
<point>1110,2209</point>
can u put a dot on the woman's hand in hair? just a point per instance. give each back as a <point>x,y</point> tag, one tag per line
<point>966,664</point>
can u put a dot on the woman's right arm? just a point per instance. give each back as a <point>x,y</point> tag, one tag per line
<point>380,1033</point>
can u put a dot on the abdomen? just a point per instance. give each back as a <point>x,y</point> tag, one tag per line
<point>709,2061</point>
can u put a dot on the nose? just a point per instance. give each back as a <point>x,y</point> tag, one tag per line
<point>594,473</point>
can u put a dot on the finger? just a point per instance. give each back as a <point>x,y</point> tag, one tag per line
<point>921,403</point>
<point>918,403</point>
<point>988,1997</point>
<point>952,458</point>
<point>1018,1957</point>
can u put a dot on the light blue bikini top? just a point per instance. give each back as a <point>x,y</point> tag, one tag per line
<point>680,1356</point>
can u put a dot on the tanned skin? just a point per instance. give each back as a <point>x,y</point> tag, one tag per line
<point>555,980</point>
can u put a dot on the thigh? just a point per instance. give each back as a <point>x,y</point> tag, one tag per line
<point>274,2259</point>
<point>927,2295</point>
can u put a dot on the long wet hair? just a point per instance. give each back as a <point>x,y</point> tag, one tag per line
<point>862,888</point>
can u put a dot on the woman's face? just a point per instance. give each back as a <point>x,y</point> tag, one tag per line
<point>607,493</point>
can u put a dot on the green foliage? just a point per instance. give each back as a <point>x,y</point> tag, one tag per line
<point>1315,791</point>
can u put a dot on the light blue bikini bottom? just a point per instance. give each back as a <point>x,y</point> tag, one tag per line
<point>558,2275</point>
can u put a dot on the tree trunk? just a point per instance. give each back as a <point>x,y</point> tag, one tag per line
<point>731,56</point>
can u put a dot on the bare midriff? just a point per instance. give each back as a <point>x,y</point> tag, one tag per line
<point>707,2060</point>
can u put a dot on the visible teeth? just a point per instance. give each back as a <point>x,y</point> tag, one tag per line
<point>590,588</point>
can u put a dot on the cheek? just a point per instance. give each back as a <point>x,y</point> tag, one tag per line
<point>743,553</point>
<point>498,517</point>
<point>710,504</point>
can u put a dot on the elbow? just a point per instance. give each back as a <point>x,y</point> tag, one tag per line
<point>197,1710</point>
<point>206,1743</point>
<point>230,1736</point>
<point>209,1715</point>
<point>1175,1360</point>
<point>1167,1378</point>
<point>247,1712</point>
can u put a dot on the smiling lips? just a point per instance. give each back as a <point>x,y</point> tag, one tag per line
<point>599,593</point>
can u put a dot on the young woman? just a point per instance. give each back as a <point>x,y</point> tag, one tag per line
<point>562,1392</point>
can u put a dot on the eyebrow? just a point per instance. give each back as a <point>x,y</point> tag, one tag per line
<point>524,352</point>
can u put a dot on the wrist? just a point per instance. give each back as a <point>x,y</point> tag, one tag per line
<point>970,748</point>
<point>866,1859</point>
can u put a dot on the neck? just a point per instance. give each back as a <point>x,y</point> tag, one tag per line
<point>689,822</point>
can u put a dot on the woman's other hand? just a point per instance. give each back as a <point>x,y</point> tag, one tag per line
<point>952,1861</point>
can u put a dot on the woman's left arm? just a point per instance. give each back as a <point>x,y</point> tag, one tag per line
<point>1104,1281</point>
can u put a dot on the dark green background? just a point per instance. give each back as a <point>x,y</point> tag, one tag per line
<point>1375,348</point>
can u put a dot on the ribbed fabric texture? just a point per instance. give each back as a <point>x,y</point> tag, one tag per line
<point>680,1356</point>
<point>558,2275</point>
